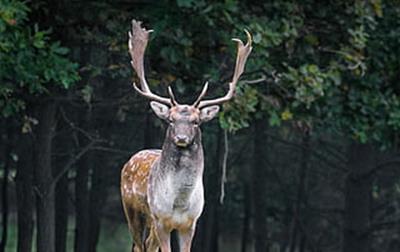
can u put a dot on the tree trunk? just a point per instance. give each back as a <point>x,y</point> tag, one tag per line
<point>207,232</point>
<point>82,205</point>
<point>25,196</point>
<point>212,232</point>
<point>259,174</point>
<point>305,156</point>
<point>4,214</point>
<point>211,235</point>
<point>62,213</point>
<point>98,192</point>
<point>45,200</point>
<point>82,220</point>
<point>4,189</point>
<point>302,246</point>
<point>97,199</point>
<point>246,218</point>
<point>358,198</point>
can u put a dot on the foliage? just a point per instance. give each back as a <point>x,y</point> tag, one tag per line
<point>337,72</point>
<point>333,69</point>
<point>330,65</point>
<point>30,63</point>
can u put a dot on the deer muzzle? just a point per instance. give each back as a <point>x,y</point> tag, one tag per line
<point>181,140</point>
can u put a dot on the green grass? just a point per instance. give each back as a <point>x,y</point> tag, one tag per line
<point>114,236</point>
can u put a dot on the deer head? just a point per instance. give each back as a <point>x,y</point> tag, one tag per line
<point>183,119</point>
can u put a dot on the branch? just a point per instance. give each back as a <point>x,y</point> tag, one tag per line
<point>386,164</point>
<point>72,161</point>
<point>74,127</point>
<point>107,149</point>
<point>313,152</point>
<point>224,162</point>
<point>383,225</point>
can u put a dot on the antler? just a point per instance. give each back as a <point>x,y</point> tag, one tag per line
<point>138,39</point>
<point>242,54</point>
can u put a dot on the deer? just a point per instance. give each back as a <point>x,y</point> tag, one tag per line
<point>162,190</point>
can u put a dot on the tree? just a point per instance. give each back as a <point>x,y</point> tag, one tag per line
<point>32,69</point>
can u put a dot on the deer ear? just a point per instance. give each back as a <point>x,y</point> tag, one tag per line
<point>161,110</point>
<point>208,113</point>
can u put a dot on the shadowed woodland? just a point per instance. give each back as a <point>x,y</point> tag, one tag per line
<point>304,159</point>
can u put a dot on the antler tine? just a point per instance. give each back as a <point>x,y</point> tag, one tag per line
<point>172,96</point>
<point>202,94</point>
<point>138,39</point>
<point>243,52</point>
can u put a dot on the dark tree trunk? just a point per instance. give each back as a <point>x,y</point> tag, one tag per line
<point>25,196</point>
<point>82,205</point>
<point>246,218</point>
<point>97,199</point>
<point>62,213</point>
<point>63,144</point>
<point>82,221</point>
<point>98,192</point>
<point>305,156</point>
<point>45,200</point>
<point>258,188</point>
<point>302,246</point>
<point>4,188</point>
<point>358,198</point>
<point>4,203</point>
<point>211,234</point>
<point>207,231</point>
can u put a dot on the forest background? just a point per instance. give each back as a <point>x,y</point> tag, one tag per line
<point>311,138</point>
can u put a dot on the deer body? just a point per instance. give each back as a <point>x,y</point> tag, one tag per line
<point>162,190</point>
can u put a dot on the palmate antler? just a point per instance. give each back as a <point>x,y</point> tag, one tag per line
<point>138,39</point>
<point>243,52</point>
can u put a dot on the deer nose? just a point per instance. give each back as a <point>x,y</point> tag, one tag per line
<point>181,140</point>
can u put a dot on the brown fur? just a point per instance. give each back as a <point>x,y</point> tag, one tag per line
<point>134,182</point>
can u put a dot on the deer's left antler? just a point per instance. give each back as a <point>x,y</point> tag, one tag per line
<point>243,52</point>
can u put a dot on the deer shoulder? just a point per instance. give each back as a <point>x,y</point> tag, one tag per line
<point>134,178</point>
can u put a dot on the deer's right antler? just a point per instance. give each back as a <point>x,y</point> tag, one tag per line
<point>138,39</point>
<point>243,52</point>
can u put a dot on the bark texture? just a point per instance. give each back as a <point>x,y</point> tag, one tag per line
<point>25,196</point>
<point>45,200</point>
<point>358,198</point>
<point>258,188</point>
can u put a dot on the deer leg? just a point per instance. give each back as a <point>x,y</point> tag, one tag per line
<point>152,241</point>
<point>163,236</point>
<point>136,227</point>
<point>185,238</point>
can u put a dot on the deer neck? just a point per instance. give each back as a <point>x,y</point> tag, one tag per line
<point>181,171</point>
<point>175,159</point>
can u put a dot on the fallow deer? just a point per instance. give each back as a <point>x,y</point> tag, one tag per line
<point>162,190</point>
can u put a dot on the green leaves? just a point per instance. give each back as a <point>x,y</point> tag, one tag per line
<point>239,113</point>
<point>12,13</point>
<point>308,83</point>
<point>29,61</point>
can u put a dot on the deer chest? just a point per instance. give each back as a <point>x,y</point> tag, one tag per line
<point>178,196</point>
